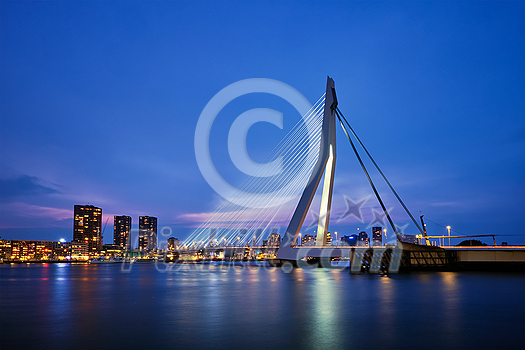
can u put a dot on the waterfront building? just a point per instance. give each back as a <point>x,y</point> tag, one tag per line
<point>377,236</point>
<point>122,231</point>
<point>27,250</point>
<point>71,250</point>
<point>147,234</point>
<point>5,249</point>
<point>274,240</point>
<point>87,227</point>
<point>362,239</point>
<point>111,250</point>
<point>349,240</point>
<point>79,249</point>
<point>328,238</point>
<point>173,243</point>
<point>307,240</point>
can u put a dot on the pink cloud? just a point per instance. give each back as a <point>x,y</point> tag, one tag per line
<point>21,214</point>
<point>260,216</point>
<point>35,211</point>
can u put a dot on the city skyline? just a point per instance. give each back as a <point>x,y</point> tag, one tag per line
<point>105,114</point>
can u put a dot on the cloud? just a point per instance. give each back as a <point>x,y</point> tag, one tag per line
<point>18,214</point>
<point>21,186</point>
<point>250,217</point>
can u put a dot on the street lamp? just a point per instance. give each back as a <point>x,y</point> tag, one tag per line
<point>336,241</point>
<point>300,242</point>
<point>448,228</point>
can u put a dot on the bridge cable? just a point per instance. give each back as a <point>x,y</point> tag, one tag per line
<point>369,178</point>
<point>380,172</point>
<point>295,143</point>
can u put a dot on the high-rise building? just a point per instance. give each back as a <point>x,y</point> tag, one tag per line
<point>362,239</point>
<point>349,240</point>
<point>147,233</point>
<point>328,238</point>
<point>274,240</point>
<point>87,227</point>
<point>122,231</point>
<point>377,236</point>
<point>173,243</point>
<point>307,240</point>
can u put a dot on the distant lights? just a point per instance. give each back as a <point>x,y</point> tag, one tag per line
<point>62,240</point>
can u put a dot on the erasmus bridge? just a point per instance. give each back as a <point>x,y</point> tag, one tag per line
<point>295,169</point>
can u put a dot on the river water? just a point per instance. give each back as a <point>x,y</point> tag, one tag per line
<point>240,307</point>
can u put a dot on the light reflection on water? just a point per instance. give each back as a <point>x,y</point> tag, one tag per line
<point>84,306</point>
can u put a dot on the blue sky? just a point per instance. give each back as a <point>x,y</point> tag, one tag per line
<point>99,102</point>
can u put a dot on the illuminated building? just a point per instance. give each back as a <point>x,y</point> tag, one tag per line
<point>87,227</point>
<point>362,239</point>
<point>111,250</point>
<point>274,240</point>
<point>5,249</point>
<point>71,250</point>
<point>147,233</point>
<point>328,238</point>
<point>307,240</point>
<point>349,240</point>
<point>173,243</point>
<point>27,250</point>
<point>377,236</point>
<point>79,249</point>
<point>122,231</point>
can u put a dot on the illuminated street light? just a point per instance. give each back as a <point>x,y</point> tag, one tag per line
<point>448,228</point>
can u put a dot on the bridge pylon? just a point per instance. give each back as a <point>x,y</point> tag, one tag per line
<point>325,164</point>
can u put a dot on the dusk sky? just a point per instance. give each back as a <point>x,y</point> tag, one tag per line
<point>99,101</point>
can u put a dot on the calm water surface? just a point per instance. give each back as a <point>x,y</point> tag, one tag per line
<point>218,307</point>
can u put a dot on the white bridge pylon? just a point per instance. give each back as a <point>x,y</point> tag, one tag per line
<point>325,164</point>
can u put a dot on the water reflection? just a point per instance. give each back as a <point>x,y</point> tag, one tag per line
<point>327,303</point>
<point>66,306</point>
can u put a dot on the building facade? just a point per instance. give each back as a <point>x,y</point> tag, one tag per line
<point>173,243</point>
<point>27,250</point>
<point>362,239</point>
<point>122,231</point>
<point>87,227</point>
<point>274,240</point>
<point>307,240</point>
<point>377,236</point>
<point>147,234</point>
